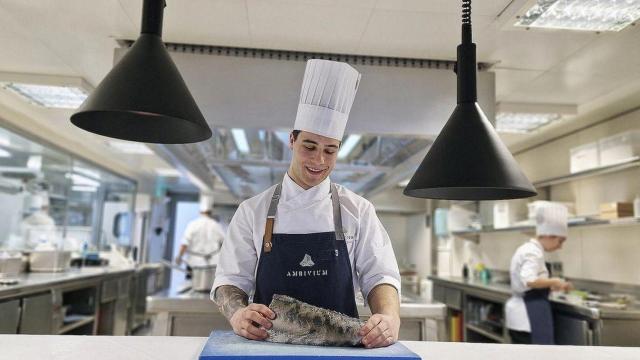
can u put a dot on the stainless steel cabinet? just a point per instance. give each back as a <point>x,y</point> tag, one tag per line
<point>9,316</point>
<point>36,315</point>
<point>572,330</point>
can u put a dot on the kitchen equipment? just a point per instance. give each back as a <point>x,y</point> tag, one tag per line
<point>584,157</point>
<point>619,148</point>
<point>227,345</point>
<point>10,265</point>
<point>636,206</point>
<point>49,260</point>
<point>202,277</point>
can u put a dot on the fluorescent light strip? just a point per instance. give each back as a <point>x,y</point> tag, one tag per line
<point>168,172</point>
<point>4,153</point>
<point>522,123</point>
<point>64,97</point>
<point>240,138</point>
<point>84,188</point>
<point>587,15</point>
<point>130,147</point>
<point>348,145</point>
<point>83,181</point>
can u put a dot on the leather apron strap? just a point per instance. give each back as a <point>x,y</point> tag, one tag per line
<point>273,207</point>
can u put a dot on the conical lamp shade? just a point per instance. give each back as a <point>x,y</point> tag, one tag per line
<point>144,98</point>
<point>468,161</point>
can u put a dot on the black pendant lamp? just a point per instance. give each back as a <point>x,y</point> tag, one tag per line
<point>468,161</point>
<point>144,98</point>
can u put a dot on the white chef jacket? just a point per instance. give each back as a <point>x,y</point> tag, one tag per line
<point>303,211</point>
<point>203,236</point>
<point>38,228</point>
<point>527,265</point>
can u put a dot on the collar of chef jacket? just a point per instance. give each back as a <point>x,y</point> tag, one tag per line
<point>294,197</point>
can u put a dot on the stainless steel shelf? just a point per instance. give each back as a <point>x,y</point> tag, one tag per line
<point>627,221</point>
<point>478,330</point>
<point>76,324</point>
<point>633,162</point>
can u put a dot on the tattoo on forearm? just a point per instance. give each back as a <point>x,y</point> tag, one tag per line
<point>229,299</point>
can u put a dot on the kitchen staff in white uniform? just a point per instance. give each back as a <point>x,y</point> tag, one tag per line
<point>528,311</point>
<point>202,238</point>
<point>39,227</point>
<point>308,237</point>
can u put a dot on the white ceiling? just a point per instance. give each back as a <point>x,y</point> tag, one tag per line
<point>77,37</point>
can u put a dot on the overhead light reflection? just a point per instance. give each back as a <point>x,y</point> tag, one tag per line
<point>240,138</point>
<point>349,145</point>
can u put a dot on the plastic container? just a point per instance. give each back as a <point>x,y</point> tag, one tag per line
<point>619,148</point>
<point>584,157</point>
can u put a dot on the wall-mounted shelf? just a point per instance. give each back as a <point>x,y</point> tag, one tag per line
<point>631,163</point>
<point>474,234</point>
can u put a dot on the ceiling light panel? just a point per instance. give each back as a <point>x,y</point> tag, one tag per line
<point>62,97</point>
<point>586,15</point>
<point>522,123</point>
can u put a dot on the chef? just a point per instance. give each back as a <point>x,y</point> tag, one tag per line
<point>39,227</point>
<point>202,238</point>
<point>308,237</point>
<point>528,311</point>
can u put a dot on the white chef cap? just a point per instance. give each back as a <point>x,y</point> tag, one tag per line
<point>328,91</point>
<point>551,219</point>
<point>206,202</point>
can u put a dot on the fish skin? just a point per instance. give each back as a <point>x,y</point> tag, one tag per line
<point>300,323</point>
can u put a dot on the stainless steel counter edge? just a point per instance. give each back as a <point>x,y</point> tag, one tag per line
<point>195,302</point>
<point>502,292</point>
<point>37,282</point>
<point>62,347</point>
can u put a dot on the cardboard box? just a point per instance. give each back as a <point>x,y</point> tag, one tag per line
<point>615,210</point>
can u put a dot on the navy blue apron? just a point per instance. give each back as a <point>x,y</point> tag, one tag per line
<point>540,316</point>
<point>313,268</point>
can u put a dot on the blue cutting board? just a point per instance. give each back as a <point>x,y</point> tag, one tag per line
<point>227,345</point>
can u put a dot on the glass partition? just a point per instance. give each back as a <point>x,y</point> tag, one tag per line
<point>50,198</point>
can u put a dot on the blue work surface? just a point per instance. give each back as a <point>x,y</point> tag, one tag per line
<point>227,345</point>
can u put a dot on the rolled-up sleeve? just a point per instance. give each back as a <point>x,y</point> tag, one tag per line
<point>238,257</point>
<point>375,261</point>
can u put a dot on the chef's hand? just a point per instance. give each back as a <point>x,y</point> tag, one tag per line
<point>252,320</point>
<point>380,330</point>
<point>561,285</point>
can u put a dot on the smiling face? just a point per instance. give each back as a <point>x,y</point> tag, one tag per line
<point>314,157</point>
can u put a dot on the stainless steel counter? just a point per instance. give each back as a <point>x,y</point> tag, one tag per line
<point>173,306</point>
<point>34,282</point>
<point>575,323</point>
<point>503,290</point>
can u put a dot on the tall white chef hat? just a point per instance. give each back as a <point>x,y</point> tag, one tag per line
<point>38,201</point>
<point>328,91</point>
<point>206,202</point>
<point>551,219</point>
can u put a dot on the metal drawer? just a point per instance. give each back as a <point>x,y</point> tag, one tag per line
<point>10,315</point>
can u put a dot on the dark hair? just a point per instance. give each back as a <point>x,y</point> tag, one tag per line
<point>295,134</point>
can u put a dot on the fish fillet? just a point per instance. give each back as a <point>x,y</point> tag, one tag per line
<point>300,323</point>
